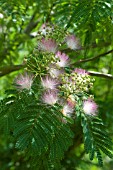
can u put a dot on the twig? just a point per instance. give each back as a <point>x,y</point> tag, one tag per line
<point>94,58</point>
<point>9,69</point>
<point>31,24</point>
<point>98,74</point>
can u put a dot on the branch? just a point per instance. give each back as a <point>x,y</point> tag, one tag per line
<point>9,69</point>
<point>98,74</point>
<point>93,58</point>
<point>30,27</point>
<point>31,24</point>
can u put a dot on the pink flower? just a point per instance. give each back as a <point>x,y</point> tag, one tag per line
<point>24,81</point>
<point>62,59</point>
<point>90,107</point>
<point>67,110</point>
<point>49,83</point>
<point>80,71</point>
<point>48,45</point>
<point>54,72</point>
<point>50,97</point>
<point>72,42</point>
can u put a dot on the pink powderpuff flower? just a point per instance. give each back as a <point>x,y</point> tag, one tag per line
<point>24,81</point>
<point>67,110</point>
<point>54,72</point>
<point>72,42</point>
<point>90,107</point>
<point>49,83</point>
<point>63,59</point>
<point>80,71</point>
<point>50,97</point>
<point>48,45</point>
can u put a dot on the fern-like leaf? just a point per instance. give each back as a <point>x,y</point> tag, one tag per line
<point>96,139</point>
<point>37,129</point>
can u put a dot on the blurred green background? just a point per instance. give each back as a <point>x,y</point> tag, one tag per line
<point>92,22</point>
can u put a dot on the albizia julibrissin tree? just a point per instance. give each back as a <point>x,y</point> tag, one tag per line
<point>50,109</point>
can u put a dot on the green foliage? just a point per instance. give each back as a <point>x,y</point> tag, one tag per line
<point>92,22</point>
<point>96,138</point>
<point>7,114</point>
<point>37,129</point>
<point>83,14</point>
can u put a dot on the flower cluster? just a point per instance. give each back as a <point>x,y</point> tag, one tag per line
<point>49,83</point>
<point>63,59</point>
<point>46,29</point>
<point>52,81</point>
<point>48,45</point>
<point>24,81</point>
<point>76,82</point>
<point>90,107</point>
<point>50,95</point>
<point>72,42</point>
<point>59,86</point>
